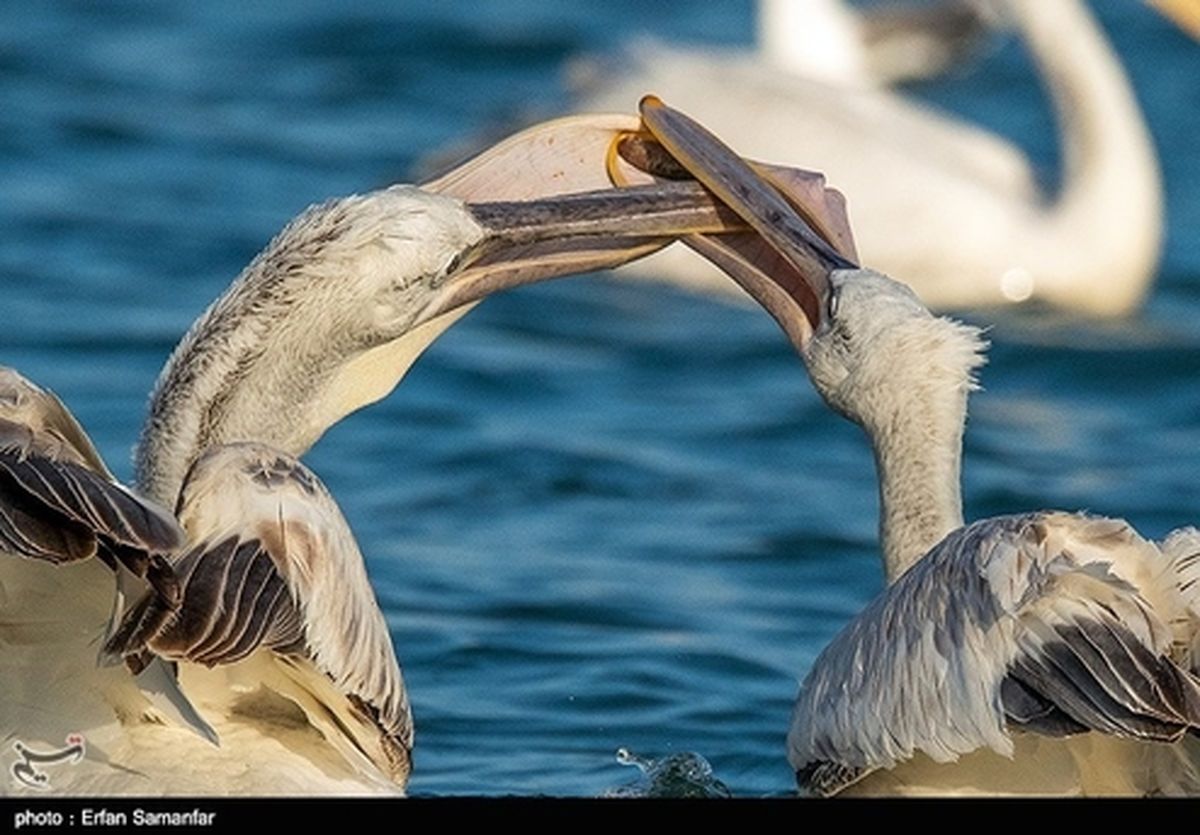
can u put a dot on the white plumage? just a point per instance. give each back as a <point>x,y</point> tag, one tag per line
<point>287,680</point>
<point>1046,653</point>
<point>937,202</point>
<point>279,646</point>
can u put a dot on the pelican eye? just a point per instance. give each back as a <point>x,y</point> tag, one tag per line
<point>451,266</point>
<point>436,279</point>
<point>830,321</point>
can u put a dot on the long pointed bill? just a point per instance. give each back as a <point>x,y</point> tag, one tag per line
<point>785,263</point>
<point>548,208</point>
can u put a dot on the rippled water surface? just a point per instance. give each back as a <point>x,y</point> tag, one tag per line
<point>597,515</point>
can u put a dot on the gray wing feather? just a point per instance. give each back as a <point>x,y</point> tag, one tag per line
<point>56,509</point>
<point>276,569</point>
<point>234,602</point>
<point>246,604</point>
<point>1020,621</point>
<point>82,495</point>
<point>30,529</point>
<point>1100,676</point>
<point>60,504</point>
<point>253,594</point>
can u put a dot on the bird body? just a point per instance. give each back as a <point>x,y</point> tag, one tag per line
<point>1043,653</point>
<point>261,365</point>
<point>1066,627</point>
<point>1046,653</point>
<point>878,45</point>
<point>241,637</point>
<point>257,720</point>
<point>944,205</point>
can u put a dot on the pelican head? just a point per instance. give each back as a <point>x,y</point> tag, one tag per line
<point>872,350</point>
<point>865,339</point>
<point>332,313</point>
<point>879,347</point>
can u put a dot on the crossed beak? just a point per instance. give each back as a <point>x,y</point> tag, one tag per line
<point>593,192</point>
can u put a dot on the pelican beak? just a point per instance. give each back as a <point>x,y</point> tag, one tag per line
<point>800,229</point>
<point>548,207</point>
<point>593,192</point>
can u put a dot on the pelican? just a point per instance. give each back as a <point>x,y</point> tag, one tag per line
<point>285,648</point>
<point>253,589</point>
<point>939,203</point>
<point>1039,653</point>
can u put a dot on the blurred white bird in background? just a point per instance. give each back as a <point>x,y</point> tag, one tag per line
<point>879,45</point>
<point>942,204</point>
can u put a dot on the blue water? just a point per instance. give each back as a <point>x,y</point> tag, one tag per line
<point>596,515</point>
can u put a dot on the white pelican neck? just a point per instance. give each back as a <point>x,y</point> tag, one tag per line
<point>817,39</point>
<point>919,461</point>
<point>1112,189</point>
<point>903,375</point>
<point>318,325</point>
